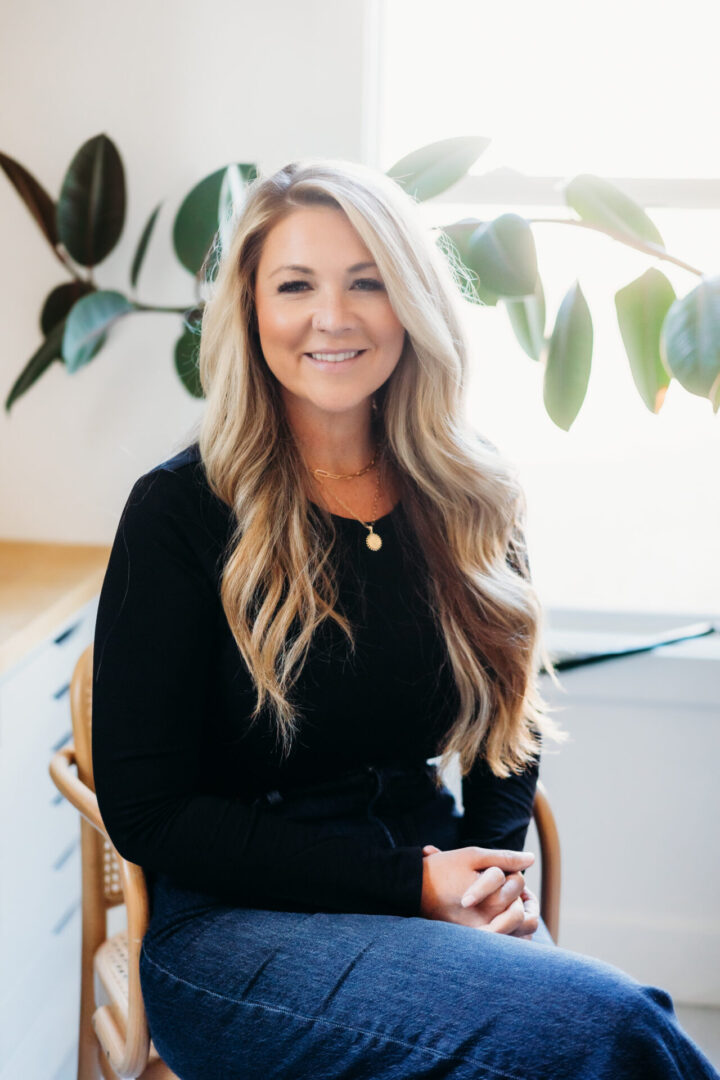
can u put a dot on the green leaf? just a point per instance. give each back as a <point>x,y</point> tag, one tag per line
<point>38,363</point>
<point>34,195</point>
<point>437,166</point>
<point>598,202</point>
<point>197,221</point>
<point>60,300</point>
<point>459,233</point>
<point>233,193</point>
<point>91,210</point>
<point>567,371</point>
<point>142,245</point>
<point>690,339</point>
<point>187,349</point>
<point>641,309</point>
<point>502,253</point>
<point>715,395</point>
<point>88,324</point>
<point>527,318</point>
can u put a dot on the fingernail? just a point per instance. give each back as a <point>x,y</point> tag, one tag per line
<point>467,900</point>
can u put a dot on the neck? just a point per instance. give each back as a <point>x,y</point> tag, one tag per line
<point>338,442</point>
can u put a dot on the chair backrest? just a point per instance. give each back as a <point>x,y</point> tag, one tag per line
<point>118,1027</point>
<point>81,710</point>
<point>550,861</point>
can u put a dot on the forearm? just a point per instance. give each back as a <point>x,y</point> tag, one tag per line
<point>223,846</point>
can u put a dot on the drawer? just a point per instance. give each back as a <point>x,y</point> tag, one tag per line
<point>39,675</point>
<point>28,854</point>
<point>25,755</point>
<point>40,882</point>
<point>34,903</point>
<point>40,1007</point>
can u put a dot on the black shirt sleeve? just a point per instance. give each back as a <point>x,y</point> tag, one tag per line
<point>153,658</point>
<point>497,810</point>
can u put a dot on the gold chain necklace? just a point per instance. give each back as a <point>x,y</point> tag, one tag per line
<point>345,476</point>
<point>373,541</point>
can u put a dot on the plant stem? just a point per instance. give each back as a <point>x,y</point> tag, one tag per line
<point>641,245</point>
<point>60,252</point>
<point>154,307</point>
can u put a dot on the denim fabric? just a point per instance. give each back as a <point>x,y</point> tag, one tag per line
<point>236,993</point>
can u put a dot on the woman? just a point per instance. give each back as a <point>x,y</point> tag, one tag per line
<point>324,591</point>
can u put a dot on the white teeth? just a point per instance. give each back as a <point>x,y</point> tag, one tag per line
<point>335,357</point>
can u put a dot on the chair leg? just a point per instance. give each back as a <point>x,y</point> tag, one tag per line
<point>94,932</point>
<point>108,1073</point>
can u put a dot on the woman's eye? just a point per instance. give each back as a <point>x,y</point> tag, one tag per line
<point>368,284</point>
<point>372,282</point>
<point>289,286</point>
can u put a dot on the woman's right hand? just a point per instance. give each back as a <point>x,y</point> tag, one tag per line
<point>449,875</point>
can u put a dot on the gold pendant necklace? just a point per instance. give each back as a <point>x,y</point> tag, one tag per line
<point>373,541</point>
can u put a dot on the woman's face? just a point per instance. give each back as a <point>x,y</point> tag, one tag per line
<point>317,290</point>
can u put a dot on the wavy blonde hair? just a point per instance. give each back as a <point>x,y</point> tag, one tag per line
<point>463,501</point>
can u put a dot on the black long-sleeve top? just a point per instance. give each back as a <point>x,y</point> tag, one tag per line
<point>178,766</point>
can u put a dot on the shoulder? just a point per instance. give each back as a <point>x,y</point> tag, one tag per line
<point>187,459</point>
<point>176,486</point>
<point>175,479</point>
<point>173,504</point>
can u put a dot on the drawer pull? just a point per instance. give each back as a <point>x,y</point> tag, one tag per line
<point>69,850</point>
<point>68,633</point>
<point>62,691</point>
<point>61,742</point>
<point>65,919</point>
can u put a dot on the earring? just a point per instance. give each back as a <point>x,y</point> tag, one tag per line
<point>374,405</point>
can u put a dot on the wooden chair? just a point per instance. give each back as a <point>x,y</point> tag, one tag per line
<point>116,1024</point>
<point>114,1038</point>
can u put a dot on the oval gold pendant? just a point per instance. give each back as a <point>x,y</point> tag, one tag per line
<point>373,541</point>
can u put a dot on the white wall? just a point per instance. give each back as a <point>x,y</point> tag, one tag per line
<point>181,89</point>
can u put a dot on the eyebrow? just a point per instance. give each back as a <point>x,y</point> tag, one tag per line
<point>308,270</point>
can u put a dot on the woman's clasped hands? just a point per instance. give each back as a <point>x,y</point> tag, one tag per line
<point>480,887</point>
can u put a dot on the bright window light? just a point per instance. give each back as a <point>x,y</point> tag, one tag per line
<point>622,88</point>
<point>622,510</point>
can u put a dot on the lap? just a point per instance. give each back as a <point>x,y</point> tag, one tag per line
<point>243,992</point>
<point>248,992</point>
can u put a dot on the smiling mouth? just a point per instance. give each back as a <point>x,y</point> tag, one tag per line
<point>335,357</point>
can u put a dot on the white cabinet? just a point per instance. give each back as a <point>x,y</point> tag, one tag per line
<point>39,859</point>
<point>637,801</point>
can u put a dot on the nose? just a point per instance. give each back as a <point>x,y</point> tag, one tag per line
<point>332,312</point>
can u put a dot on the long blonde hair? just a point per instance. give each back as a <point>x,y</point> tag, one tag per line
<point>463,501</point>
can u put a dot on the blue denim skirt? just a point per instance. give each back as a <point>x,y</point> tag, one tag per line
<point>237,993</point>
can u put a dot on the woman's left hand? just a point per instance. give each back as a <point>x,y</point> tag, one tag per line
<point>531,919</point>
<point>519,919</point>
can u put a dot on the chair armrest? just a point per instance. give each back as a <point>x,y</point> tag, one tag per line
<point>75,791</point>
<point>550,872</point>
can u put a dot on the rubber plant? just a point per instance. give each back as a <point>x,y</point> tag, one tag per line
<point>665,336</point>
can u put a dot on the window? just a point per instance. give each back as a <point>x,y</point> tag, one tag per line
<point>621,513</point>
